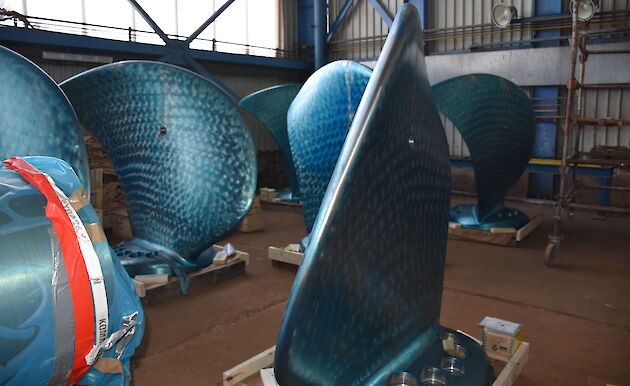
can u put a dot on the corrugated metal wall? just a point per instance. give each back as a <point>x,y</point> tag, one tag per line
<point>599,103</point>
<point>363,32</point>
<point>458,24</point>
<point>288,24</point>
<point>469,16</point>
<point>605,103</point>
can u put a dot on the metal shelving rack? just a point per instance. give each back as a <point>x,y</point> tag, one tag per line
<point>573,124</point>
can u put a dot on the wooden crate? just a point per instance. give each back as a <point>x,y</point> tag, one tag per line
<point>496,236</point>
<point>155,290</point>
<point>263,362</point>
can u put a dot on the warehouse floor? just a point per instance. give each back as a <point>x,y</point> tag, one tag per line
<point>576,316</point>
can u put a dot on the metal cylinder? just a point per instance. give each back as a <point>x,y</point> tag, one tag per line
<point>403,379</point>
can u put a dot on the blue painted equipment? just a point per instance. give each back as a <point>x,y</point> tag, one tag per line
<point>270,106</point>
<point>182,152</point>
<point>318,121</point>
<point>38,315</point>
<point>37,118</point>
<point>496,119</point>
<point>365,304</point>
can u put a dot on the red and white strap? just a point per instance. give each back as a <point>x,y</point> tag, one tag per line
<point>85,276</point>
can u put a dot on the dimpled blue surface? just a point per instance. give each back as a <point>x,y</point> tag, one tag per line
<point>496,119</point>
<point>318,122</point>
<point>181,149</point>
<point>270,106</point>
<point>366,299</point>
<point>27,322</point>
<point>36,117</point>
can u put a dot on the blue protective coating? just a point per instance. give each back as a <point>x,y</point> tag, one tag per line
<point>318,121</point>
<point>468,217</point>
<point>496,119</point>
<point>270,106</point>
<point>181,149</point>
<point>37,118</point>
<point>366,299</point>
<point>27,322</point>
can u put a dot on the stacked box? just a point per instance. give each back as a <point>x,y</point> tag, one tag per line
<point>254,220</point>
<point>501,338</point>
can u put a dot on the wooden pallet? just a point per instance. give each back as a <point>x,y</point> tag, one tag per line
<point>152,289</point>
<point>497,236</point>
<point>283,255</point>
<point>263,362</point>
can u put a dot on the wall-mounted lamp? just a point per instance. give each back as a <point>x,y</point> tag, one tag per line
<point>503,15</point>
<point>585,9</point>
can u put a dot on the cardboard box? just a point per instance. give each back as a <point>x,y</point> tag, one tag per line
<point>268,194</point>
<point>501,338</point>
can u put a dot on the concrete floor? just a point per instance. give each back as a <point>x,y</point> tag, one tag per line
<point>576,316</point>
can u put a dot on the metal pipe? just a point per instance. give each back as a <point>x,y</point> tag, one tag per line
<point>210,20</point>
<point>605,86</point>
<point>566,128</point>
<point>603,121</point>
<point>603,208</point>
<point>580,90</point>
<point>598,52</point>
<point>604,187</point>
<point>320,24</point>
<point>596,161</point>
<point>549,116</point>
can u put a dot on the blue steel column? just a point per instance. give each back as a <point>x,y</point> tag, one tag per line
<point>422,11</point>
<point>541,185</point>
<point>320,23</point>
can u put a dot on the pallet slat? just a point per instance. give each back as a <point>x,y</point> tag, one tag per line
<point>285,256</point>
<point>250,367</point>
<point>496,236</point>
<point>156,293</point>
<point>261,362</point>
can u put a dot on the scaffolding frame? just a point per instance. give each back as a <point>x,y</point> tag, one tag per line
<point>574,122</point>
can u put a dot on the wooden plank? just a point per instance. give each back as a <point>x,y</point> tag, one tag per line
<point>141,289</point>
<point>250,367</point>
<point>285,256</point>
<point>284,207</point>
<point>152,279</point>
<point>202,279</point>
<point>529,227</point>
<point>260,362</point>
<point>503,230</point>
<point>156,293</point>
<point>454,225</point>
<point>513,368</point>
<point>504,239</point>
